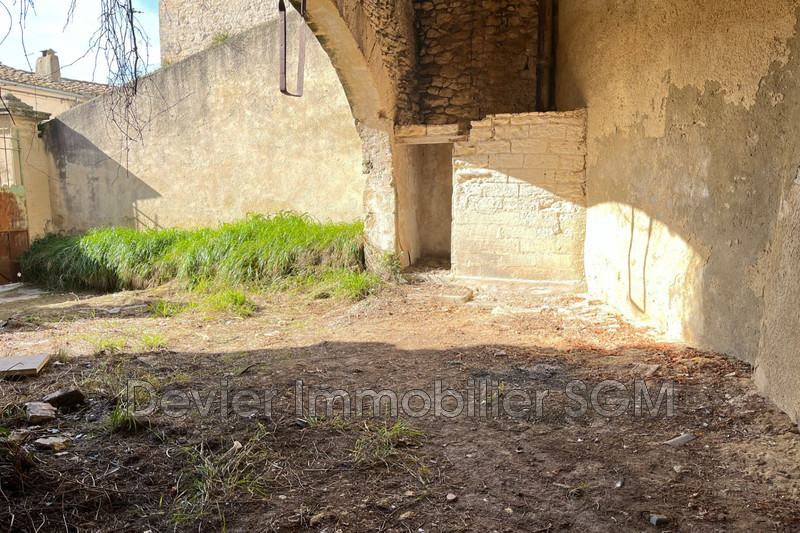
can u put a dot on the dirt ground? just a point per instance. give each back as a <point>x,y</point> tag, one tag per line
<point>545,472</point>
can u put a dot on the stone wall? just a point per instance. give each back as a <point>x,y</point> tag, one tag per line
<point>519,198</point>
<point>383,30</point>
<point>690,142</point>
<point>189,26</point>
<point>217,143</point>
<point>692,168</point>
<point>476,58</point>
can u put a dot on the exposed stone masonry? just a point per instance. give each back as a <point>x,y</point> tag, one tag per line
<point>189,26</point>
<point>476,58</point>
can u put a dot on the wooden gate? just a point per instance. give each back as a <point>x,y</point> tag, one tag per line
<point>14,238</point>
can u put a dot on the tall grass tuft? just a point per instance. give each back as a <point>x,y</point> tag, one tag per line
<point>257,250</point>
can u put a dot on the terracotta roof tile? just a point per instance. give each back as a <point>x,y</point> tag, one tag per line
<point>84,88</point>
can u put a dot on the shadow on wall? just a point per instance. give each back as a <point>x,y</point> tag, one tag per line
<point>681,220</point>
<point>519,198</point>
<point>99,192</point>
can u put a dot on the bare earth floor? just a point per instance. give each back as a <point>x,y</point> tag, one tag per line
<point>542,473</point>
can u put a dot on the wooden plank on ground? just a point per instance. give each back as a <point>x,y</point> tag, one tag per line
<point>24,365</point>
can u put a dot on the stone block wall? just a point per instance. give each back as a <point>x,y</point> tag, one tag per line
<point>519,198</point>
<point>189,26</point>
<point>476,58</point>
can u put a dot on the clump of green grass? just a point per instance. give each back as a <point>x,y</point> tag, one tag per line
<point>121,419</point>
<point>108,346</point>
<point>151,343</point>
<point>221,38</point>
<point>257,251</point>
<point>383,443</point>
<point>165,309</point>
<point>214,478</point>
<point>231,301</point>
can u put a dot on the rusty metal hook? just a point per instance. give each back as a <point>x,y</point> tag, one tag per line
<point>301,61</point>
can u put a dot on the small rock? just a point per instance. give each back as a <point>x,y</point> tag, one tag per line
<point>677,442</point>
<point>454,299</point>
<point>644,371</point>
<point>659,520</point>
<point>65,397</point>
<point>19,436</point>
<point>501,353</point>
<point>451,497</point>
<point>509,510</point>
<point>321,517</point>
<point>54,443</point>
<point>620,483</point>
<point>39,412</point>
<point>409,493</point>
<point>408,515</point>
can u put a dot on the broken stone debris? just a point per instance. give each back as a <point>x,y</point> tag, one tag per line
<point>39,412</point>
<point>19,436</point>
<point>65,397</point>
<point>451,497</point>
<point>455,299</point>
<point>677,442</point>
<point>54,443</point>
<point>643,371</point>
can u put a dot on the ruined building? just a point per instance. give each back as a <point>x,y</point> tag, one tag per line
<point>645,151</point>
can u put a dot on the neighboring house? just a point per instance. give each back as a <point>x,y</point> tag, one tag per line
<point>45,90</point>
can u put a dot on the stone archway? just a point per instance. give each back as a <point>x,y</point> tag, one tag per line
<point>373,101</point>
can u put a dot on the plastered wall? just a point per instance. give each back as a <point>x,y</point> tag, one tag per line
<point>519,199</point>
<point>218,141</point>
<point>691,169</point>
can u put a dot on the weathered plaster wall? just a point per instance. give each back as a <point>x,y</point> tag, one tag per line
<point>424,199</point>
<point>26,163</point>
<point>435,190</point>
<point>36,177</point>
<point>476,58</point>
<point>408,168</point>
<point>693,122</point>
<point>219,141</point>
<point>519,198</point>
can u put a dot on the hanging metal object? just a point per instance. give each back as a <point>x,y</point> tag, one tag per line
<point>301,60</point>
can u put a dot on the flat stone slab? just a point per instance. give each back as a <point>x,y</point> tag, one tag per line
<point>23,365</point>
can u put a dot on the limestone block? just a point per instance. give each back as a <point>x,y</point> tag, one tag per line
<point>506,161</point>
<point>530,146</point>
<point>548,161</point>
<point>494,147</point>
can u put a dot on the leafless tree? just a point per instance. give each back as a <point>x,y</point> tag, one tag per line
<point>119,39</point>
